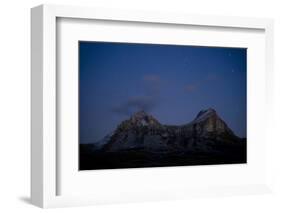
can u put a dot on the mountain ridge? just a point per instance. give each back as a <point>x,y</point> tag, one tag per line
<point>142,130</point>
<point>142,141</point>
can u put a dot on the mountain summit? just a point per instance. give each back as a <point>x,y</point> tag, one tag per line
<point>143,131</point>
<point>142,141</point>
<point>205,114</point>
<point>141,118</point>
<point>208,121</point>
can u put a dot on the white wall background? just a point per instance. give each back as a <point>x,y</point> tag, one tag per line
<point>15,104</point>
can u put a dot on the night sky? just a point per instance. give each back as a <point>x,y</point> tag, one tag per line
<point>171,82</point>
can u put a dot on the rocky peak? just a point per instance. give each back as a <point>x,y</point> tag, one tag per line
<point>138,119</point>
<point>143,130</point>
<point>205,114</point>
<point>209,121</point>
<point>140,115</point>
<point>141,118</point>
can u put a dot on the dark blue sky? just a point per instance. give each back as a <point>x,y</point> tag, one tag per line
<point>171,82</point>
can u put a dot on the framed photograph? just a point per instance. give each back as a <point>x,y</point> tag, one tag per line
<point>170,115</point>
<point>130,106</point>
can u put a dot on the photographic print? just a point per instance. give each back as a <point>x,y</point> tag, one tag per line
<point>155,105</point>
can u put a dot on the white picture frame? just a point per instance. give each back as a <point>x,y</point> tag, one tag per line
<point>44,149</point>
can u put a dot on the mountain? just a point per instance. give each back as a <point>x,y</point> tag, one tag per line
<point>142,141</point>
<point>143,132</point>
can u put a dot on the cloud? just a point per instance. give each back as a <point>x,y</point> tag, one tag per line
<point>190,87</point>
<point>212,77</point>
<point>193,87</point>
<point>152,84</point>
<point>136,103</point>
<point>151,78</point>
<point>121,110</point>
<point>147,100</point>
<point>146,103</point>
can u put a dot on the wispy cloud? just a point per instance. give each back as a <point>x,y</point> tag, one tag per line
<point>152,84</point>
<point>212,77</point>
<point>136,103</point>
<point>190,87</point>
<point>146,101</point>
<point>151,78</point>
<point>193,87</point>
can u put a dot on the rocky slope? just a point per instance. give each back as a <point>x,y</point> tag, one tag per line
<point>143,131</point>
<point>142,141</point>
